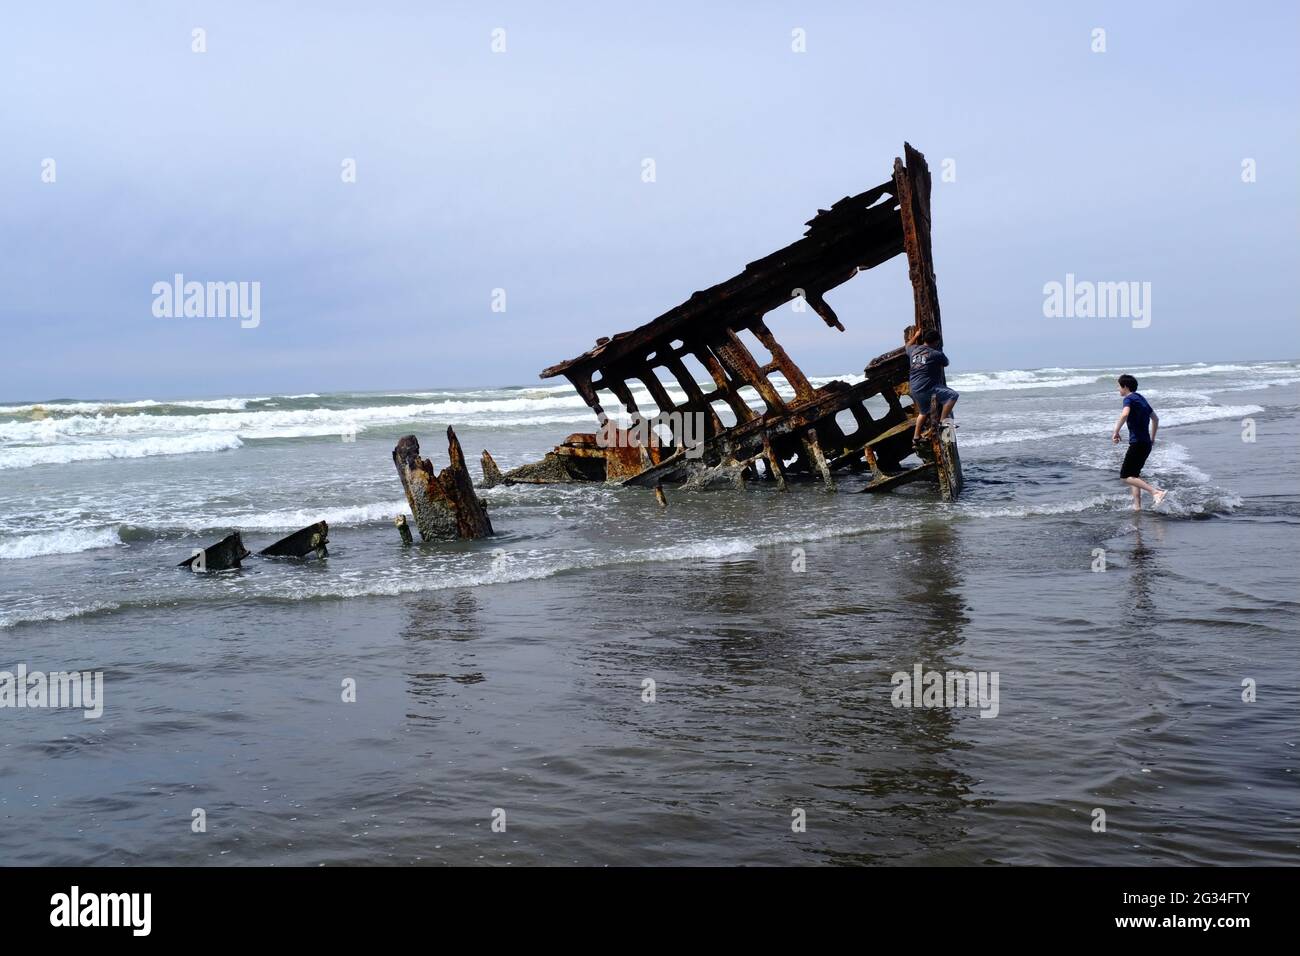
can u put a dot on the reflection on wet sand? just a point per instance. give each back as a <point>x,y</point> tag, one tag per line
<point>434,620</point>
<point>750,638</point>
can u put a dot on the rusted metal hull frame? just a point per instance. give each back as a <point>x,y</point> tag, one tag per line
<point>797,436</point>
<point>786,436</point>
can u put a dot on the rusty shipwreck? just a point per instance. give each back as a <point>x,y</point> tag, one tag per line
<point>761,419</point>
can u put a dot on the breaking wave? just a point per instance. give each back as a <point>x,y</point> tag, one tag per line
<point>62,431</point>
<point>25,456</point>
<point>1087,423</point>
<point>70,541</point>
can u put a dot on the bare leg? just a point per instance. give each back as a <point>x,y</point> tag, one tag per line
<point>923,416</point>
<point>1137,499</point>
<point>947,410</point>
<point>1139,486</point>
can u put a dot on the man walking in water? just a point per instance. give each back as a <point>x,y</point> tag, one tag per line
<point>1139,416</point>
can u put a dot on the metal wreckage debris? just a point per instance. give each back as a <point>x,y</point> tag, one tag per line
<point>229,553</point>
<point>789,438</point>
<point>444,504</point>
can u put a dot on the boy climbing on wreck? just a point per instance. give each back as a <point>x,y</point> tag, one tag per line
<point>1138,415</point>
<point>926,363</point>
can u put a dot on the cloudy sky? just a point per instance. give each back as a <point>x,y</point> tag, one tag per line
<point>522,170</point>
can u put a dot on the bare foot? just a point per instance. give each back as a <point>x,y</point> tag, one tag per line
<point>1158,496</point>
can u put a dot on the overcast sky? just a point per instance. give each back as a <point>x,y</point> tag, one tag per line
<point>523,170</point>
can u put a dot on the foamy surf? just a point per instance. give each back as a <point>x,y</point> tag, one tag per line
<point>69,541</point>
<point>1087,422</point>
<point>66,431</point>
<point>478,568</point>
<point>27,456</point>
<point>169,479</point>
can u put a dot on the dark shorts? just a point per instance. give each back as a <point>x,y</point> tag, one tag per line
<point>941,392</point>
<point>1134,459</point>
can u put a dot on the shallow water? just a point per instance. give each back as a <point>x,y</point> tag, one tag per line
<point>509,673</point>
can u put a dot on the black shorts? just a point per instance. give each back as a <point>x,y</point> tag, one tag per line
<point>1135,459</point>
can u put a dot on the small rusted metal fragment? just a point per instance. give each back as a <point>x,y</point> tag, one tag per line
<point>301,543</point>
<point>551,470</point>
<point>404,529</point>
<point>491,473</point>
<point>222,556</point>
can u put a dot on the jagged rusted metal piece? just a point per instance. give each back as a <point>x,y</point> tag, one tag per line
<point>403,529</point>
<point>225,555</point>
<point>444,505</point>
<point>580,457</point>
<point>308,540</point>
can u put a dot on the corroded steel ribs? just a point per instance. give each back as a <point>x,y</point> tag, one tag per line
<point>774,435</point>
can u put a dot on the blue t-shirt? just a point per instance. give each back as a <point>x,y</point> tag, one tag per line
<point>1139,419</point>
<point>926,368</point>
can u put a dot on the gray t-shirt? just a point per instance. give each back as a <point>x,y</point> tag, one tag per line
<point>926,364</point>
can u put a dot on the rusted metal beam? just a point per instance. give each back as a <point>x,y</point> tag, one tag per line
<point>856,232</point>
<point>912,185</point>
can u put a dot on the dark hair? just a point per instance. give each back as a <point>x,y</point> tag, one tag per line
<point>932,337</point>
<point>1129,382</point>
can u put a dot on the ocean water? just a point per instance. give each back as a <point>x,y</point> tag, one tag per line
<point>511,674</point>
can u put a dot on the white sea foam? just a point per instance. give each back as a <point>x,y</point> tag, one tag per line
<point>31,613</point>
<point>1171,465</point>
<point>73,540</point>
<point>267,424</point>
<point>73,408</point>
<point>114,408</point>
<point>66,541</point>
<point>1256,385</point>
<point>533,565</point>
<point>1173,458</point>
<point>1089,422</point>
<point>512,566</point>
<point>1167,459</point>
<point>26,456</point>
<point>1053,508</point>
<point>1161,371</point>
<point>294,518</point>
<point>61,432</point>
<point>1014,381</point>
